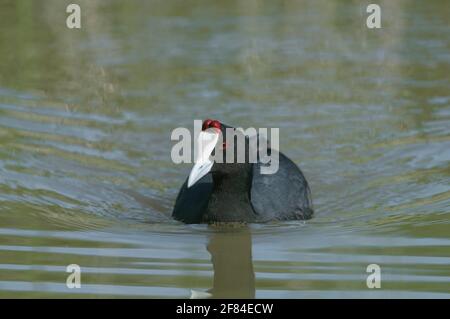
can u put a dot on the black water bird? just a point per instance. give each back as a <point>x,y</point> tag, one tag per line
<point>238,191</point>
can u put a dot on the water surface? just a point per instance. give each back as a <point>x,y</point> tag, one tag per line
<point>85,122</point>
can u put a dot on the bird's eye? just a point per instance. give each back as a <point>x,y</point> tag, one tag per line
<point>210,124</point>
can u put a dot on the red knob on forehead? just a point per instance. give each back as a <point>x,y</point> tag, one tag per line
<point>208,123</point>
<point>215,124</point>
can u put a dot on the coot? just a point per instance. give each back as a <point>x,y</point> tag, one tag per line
<point>220,191</point>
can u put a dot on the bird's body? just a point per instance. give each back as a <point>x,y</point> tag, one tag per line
<point>240,192</point>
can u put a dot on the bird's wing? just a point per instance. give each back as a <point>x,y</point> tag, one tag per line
<point>191,203</point>
<point>283,195</point>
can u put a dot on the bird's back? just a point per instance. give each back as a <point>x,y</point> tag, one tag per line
<point>284,195</point>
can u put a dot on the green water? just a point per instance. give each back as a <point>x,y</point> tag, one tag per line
<point>85,122</point>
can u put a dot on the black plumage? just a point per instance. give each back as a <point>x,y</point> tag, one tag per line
<point>239,192</point>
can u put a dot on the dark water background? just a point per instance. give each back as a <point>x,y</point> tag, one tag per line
<point>85,123</point>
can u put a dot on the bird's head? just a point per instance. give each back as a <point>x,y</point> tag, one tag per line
<point>216,152</point>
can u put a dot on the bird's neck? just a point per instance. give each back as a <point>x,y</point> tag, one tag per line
<point>230,199</point>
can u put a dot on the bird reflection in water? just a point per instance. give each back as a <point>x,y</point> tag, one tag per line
<point>231,256</point>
